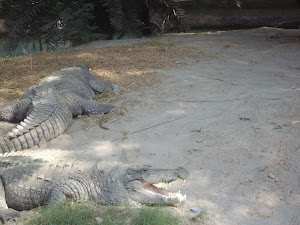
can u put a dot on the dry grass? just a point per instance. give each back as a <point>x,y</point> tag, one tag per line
<point>131,66</point>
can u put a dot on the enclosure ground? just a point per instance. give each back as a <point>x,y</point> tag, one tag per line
<point>224,105</point>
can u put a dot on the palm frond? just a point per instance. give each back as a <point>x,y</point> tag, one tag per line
<point>179,15</point>
<point>114,9</point>
<point>132,24</point>
<point>21,25</point>
<point>169,15</point>
<point>51,35</point>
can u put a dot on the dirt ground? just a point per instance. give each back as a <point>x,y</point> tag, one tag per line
<point>231,116</point>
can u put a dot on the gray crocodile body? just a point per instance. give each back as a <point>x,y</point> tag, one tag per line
<point>32,178</point>
<point>47,108</point>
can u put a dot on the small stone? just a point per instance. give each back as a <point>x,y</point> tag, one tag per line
<point>43,144</point>
<point>196,209</point>
<point>99,219</point>
<point>244,118</point>
<point>276,180</point>
<point>196,130</point>
<point>271,175</point>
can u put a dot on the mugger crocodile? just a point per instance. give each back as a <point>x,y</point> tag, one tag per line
<point>35,177</point>
<point>46,109</point>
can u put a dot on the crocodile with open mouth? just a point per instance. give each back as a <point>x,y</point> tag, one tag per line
<point>31,178</point>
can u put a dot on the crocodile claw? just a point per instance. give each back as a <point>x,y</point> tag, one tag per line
<point>8,214</point>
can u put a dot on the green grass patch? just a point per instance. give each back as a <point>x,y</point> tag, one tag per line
<point>73,213</point>
<point>157,216</point>
<point>70,213</point>
<point>118,216</point>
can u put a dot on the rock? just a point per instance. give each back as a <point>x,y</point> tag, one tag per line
<point>271,175</point>
<point>99,219</point>
<point>196,130</point>
<point>196,209</point>
<point>43,143</point>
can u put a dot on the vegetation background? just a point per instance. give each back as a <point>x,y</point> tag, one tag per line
<point>44,25</point>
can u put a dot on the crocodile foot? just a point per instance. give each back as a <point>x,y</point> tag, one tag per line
<point>7,214</point>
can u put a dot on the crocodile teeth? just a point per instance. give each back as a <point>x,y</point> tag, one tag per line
<point>170,184</point>
<point>181,197</point>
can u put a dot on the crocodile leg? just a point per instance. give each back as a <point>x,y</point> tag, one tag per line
<point>79,105</point>
<point>15,112</point>
<point>5,212</point>
<point>94,108</point>
<point>70,189</point>
<point>99,86</point>
<point>56,195</point>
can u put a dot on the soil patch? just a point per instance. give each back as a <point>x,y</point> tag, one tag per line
<point>131,66</point>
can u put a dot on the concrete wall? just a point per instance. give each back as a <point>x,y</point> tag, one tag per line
<point>243,3</point>
<point>217,18</point>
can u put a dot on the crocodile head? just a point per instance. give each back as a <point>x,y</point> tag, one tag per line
<point>138,185</point>
<point>141,185</point>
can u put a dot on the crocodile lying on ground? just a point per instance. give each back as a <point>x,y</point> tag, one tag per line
<point>46,109</point>
<point>32,178</point>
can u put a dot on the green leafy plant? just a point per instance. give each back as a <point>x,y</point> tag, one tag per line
<point>131,17</point>
<point>79,27</point>
<point>45,24</point>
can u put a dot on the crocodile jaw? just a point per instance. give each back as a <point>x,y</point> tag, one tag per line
<point>143,188</point>
<point>145,193</point>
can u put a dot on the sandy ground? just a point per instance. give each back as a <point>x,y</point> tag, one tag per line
<point>230,116</point>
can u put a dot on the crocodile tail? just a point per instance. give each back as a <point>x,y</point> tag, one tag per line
<point>35,128</point>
